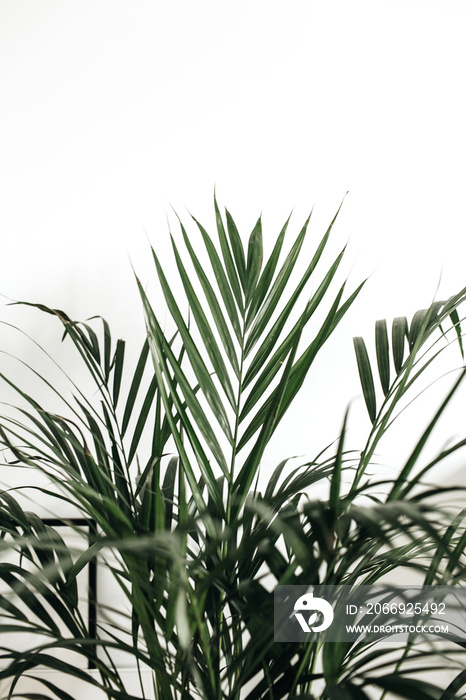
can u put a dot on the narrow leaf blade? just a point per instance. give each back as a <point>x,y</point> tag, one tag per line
<point>383,357</point>
<point>365,375</point>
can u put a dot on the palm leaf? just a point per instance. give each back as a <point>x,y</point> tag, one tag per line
<point>228,259</point>
<point>211,297</point>
<point>254,262</point>
<point>169,470</point>
<point>399,332</point>
<point>237,249</point>
<point>202,373</point>
<point>265,280</point>
<point>222,281</point>
<point>366,377</point>
<point>210,343</point>
<point>383,357</point>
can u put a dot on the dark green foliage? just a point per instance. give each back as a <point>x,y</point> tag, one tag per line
<point>164,458</point>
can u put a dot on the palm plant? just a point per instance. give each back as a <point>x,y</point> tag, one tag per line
<point>164,470</point>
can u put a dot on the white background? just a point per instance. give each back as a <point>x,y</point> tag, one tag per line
<point>112,111</point>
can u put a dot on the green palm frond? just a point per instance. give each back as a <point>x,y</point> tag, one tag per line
<point>421,340</point>
<point>247,326</point>
<point>160,459</point>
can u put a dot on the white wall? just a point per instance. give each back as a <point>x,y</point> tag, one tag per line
<point>112,110</point>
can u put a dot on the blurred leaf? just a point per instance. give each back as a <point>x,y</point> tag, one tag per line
<point>345,691</point>
<point>408,687</point>
<point>456,684</point>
